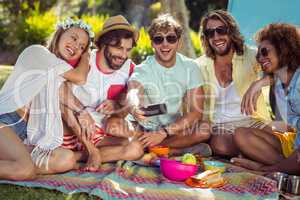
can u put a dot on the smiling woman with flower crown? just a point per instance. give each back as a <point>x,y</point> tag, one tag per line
<point>29,102</point>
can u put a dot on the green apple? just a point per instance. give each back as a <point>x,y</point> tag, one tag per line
<point>148,157</point>
<point>189,158</point>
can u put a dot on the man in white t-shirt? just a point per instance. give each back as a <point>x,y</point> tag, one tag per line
<point>100,100</point>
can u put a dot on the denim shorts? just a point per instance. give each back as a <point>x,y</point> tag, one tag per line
<point>19,128</point>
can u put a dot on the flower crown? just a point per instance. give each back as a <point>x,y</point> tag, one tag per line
<point>68,23</point>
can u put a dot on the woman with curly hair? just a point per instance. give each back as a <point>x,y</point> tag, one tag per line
<point>279,56</point>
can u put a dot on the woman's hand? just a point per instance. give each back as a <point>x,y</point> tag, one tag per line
<point>85,58</point>
<point>79,74</point>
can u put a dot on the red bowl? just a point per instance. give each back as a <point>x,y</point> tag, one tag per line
<point>177,171</point>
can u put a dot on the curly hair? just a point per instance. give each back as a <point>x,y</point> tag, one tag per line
<point>233,32</point>
<point>286,40</point>
<point>164,22</point>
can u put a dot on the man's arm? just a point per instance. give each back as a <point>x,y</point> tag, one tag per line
<point>73,109</point>
<point>193,101</point>
<point>68,99</point>
<point>135,99</point>
<point>249,100</point>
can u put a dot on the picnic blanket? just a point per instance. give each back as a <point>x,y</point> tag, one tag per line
<point>127,180</point>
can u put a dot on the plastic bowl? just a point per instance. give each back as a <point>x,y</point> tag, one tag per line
<point>160,150</point>
<point>175,170</point>
<point>213,165</point>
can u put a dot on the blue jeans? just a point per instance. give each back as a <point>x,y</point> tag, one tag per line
<point>19,128</point>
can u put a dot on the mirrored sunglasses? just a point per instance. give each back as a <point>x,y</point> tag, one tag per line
<point>172,39</point>
<point>210,32</point>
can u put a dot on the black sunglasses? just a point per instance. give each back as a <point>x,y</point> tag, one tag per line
<point>172,39</point>
<point>262,52</point>
<point>221,30</point>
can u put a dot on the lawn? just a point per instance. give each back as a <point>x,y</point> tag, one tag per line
<point>12,192</point>
<point>4,72</point>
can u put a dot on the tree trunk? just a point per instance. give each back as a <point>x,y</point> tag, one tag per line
<point>138,11</point>
<point>179,11</point>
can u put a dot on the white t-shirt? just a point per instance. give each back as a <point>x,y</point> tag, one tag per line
<point>228,104</point>
<point>101,86</point>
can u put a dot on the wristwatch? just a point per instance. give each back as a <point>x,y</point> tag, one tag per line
<point>167,131</point>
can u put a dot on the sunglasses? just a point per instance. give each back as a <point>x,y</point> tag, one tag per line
<point>221,30</point>
<point>172,39</point>
<point>262,52</point>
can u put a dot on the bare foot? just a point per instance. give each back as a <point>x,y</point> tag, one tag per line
<point>246,163</point>
<point>94,161</point>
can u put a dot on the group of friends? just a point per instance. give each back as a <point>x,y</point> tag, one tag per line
<point>65,104</point>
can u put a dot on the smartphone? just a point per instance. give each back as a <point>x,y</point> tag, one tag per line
<point>154,109</point>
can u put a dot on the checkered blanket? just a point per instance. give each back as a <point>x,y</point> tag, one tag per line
<point>126,180</point>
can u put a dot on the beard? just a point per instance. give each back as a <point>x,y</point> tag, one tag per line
<point>225,51</point>
<point>166,61</point>
<point>109,57</point>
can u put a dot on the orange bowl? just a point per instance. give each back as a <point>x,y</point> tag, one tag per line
<point>160,150</point>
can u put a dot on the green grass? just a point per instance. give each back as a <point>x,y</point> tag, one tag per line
<point>4,72</point>
<point>12,192</point>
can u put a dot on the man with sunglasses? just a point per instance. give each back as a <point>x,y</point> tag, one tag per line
<point>170,78</point>
<point>229,68</point>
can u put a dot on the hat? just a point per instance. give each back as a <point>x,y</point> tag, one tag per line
<point>116,23</point>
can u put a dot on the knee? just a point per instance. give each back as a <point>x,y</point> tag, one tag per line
<point>240,136</point>
<point>222,148</point>
<point>68,161</point>
<point>133,151</point>
<point>205,134</point>
<point>63,161</point>
<point>219,149</point>
<point>23,171</point>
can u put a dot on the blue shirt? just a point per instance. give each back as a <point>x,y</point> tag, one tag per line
<point>166,85</point>
<point>292,103</point>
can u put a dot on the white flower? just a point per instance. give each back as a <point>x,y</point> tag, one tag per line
<point>68,23</point>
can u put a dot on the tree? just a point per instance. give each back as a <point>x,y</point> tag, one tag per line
<point>138,12</point>
<point>198,8</point>
<point>24,7</point>
<point>179,11</point>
